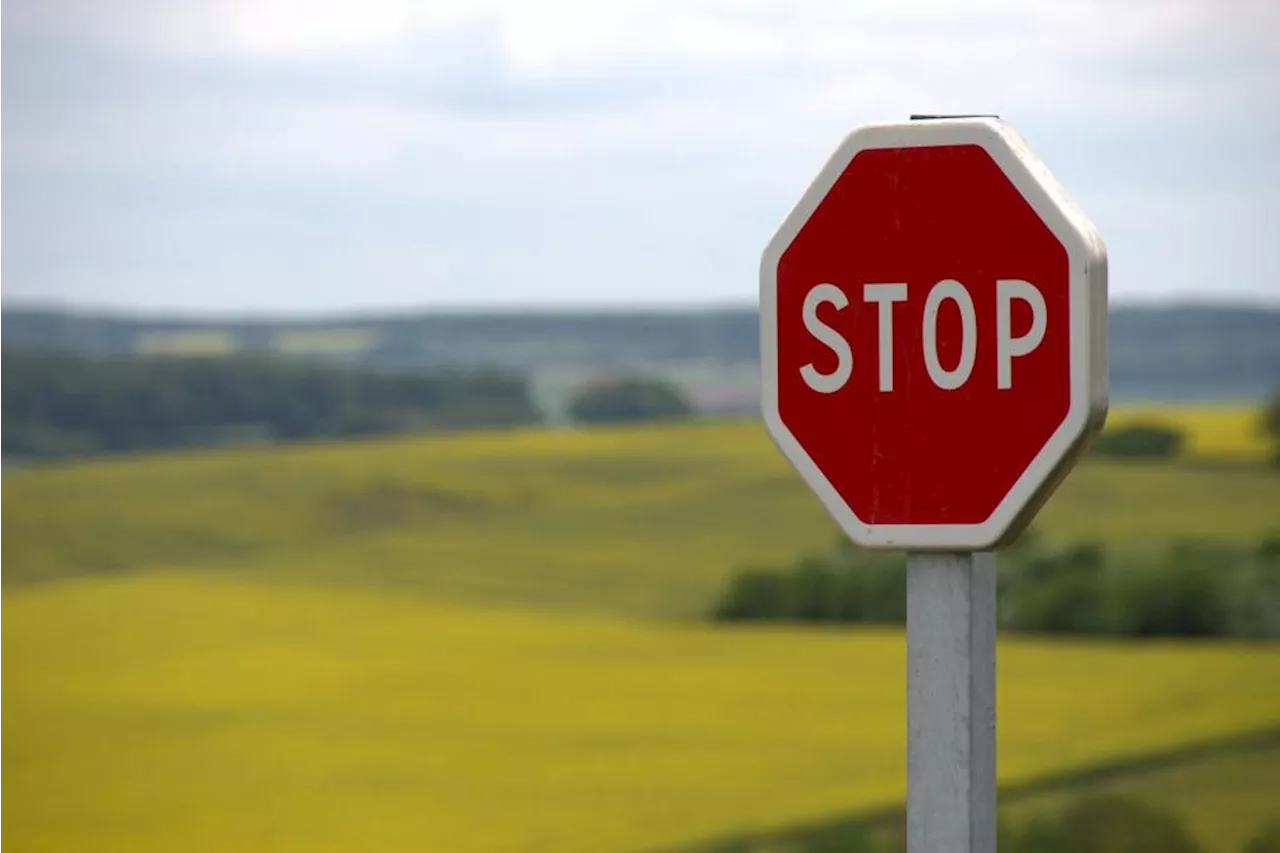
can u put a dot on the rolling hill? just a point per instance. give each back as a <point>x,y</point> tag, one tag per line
<point>493,641</point>
<point>646,521</point>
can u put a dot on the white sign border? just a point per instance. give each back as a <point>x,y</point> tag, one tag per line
<point>1087,260</point>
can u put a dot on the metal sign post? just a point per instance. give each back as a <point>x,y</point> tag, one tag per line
<point>951,702</point>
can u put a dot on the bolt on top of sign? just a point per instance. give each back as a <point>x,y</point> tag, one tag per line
<point>933,334</point>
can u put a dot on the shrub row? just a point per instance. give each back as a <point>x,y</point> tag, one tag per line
<point>60,404</point>
<point>1140,441</point>
<point>1192,589</point>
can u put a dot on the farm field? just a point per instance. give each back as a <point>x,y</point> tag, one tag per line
<point>1220,430</point>
<point>493,641</point>
<point>162,711</point>
<point>642,521</point>
<point>1223,793</point>
<point>1219,795</point>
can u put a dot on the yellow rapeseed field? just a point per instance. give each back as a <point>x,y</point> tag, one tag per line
<point>493,641</point>
<point>1217,430</point>
<point>325,341</point>
<point>193,342</point>
<point>181,711</point>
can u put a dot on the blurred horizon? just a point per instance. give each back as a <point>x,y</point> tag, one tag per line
<point>1269,303</point>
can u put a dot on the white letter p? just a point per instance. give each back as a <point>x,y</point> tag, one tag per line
<point>1008,347</point>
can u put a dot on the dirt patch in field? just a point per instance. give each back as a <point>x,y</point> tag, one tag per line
<point>398,505</point>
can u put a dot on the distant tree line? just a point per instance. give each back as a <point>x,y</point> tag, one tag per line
<point>1140,441</point>
<point>60,404</point>
<point>1091,823</point>
<point>1167,352</point>
<point>1191,589</point>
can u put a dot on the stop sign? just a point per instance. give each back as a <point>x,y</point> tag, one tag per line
<point>933,334</point>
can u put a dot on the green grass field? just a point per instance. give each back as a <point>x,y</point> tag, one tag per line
<point>1223,792</point>
<point>487,642</point>
<point>1219,794</point>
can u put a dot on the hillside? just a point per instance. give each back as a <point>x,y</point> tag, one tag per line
<point>493,642</point>
<point>1163,353</point>
<point>647,521</point>
<point>1219,791</point>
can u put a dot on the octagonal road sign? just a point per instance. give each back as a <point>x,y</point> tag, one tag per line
<point>933,334</point>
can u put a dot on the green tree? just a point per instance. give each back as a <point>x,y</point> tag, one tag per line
<point>753,594</point>
<point>57,404</point>
<point>811,593</point>
<point>628,399</point>
<point>1144,441</point>
<point>1271,426</point>
<point>1183,595</point>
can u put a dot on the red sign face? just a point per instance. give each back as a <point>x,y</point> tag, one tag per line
<point>933,334</point>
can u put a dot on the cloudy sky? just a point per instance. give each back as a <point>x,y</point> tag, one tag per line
<point>319,155</point>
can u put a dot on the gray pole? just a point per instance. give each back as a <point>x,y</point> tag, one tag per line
<point>951,712</point>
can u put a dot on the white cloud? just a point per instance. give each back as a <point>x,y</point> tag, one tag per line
<point>675,131</point>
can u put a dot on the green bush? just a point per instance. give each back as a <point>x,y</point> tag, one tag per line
<point>1145,441</point>
<point>1184,595</point>
<point>1191,590</point>
<point>753,594</point>
<point>628,399</point>
<point>1055,591</point>
<point>873,590</point>
<point>812,593</point>
<point>846,586</point>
